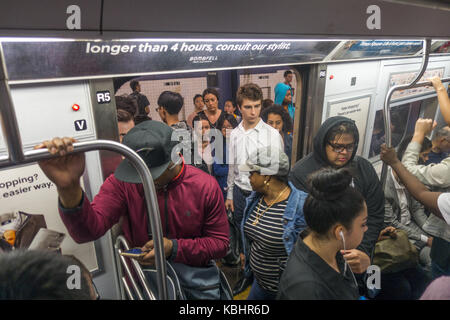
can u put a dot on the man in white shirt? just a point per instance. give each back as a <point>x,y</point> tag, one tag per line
<point>435,174</point>
<point>251,134</point>
<point>437,202</point>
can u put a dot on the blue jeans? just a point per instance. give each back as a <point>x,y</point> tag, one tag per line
<point>258,293</point>
<point>440,258</point>
<point>437,271</point>
<point>407,284</point>
<point>239,203</point>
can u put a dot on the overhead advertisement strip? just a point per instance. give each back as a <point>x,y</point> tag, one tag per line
<point>75,59</point>
<point>109,19</point>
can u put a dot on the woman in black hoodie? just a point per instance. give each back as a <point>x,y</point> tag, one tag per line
<point>335,146</point>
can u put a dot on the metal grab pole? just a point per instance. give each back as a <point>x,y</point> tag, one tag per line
<point>9,123</point>
<point>419,84</point>
<point>149,190</point>
<point>386,109</point>
<point>18,157</point>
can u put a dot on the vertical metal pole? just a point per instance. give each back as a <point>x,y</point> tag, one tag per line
<point>387,109</point>
<point>8,118</point>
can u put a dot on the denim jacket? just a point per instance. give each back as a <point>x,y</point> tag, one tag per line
<point>293,221</point>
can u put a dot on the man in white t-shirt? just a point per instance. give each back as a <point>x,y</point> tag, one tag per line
<point>437,202</point>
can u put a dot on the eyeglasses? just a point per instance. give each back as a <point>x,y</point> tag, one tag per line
<point>338,148</point>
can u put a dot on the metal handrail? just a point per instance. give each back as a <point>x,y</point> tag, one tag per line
<point>121,241</point>
<point>386,109</point>
<point>419,84</point>
<point>17,157</point>
<point>149,190</point>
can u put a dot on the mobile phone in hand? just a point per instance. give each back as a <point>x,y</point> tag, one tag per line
<point>134,253</point>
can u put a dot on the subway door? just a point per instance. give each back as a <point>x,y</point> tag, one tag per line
<point>311,81</point>
<point>52,110</point>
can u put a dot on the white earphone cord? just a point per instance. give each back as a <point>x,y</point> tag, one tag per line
<point>345,262</point>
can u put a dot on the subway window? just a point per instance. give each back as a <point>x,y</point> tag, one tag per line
<point>403,120</point>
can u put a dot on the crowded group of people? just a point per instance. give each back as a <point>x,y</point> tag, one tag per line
<point>306,232</point>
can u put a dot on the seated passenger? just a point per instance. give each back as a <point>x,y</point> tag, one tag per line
<point>437,202</point>
<point>335,146</point>
<point>220,166</point>
<point>336,216</point>
<point>273,219</point>
<point>40,275</point>
<point>276,117</point>
<point>403,212</point>
<point>183,192</point>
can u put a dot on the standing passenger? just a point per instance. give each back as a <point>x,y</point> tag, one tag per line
<point>220,166</point>
<point>198,107</point>
<point>125,123</point>
<point>276,117</point>
<point>169,106</point>
<point>203,158</point>
<point>230,108</point>
<point>273,219</point>
<point>335,146</point>
<point>251,134</point>
<point>336,215</point>
<point>142,101</point>
<point>215,115</point>
<point>184,194</point>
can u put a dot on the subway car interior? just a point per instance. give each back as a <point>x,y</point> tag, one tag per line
<point>64,83</point>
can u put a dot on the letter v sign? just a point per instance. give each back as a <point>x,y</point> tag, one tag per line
<point>80,125</point>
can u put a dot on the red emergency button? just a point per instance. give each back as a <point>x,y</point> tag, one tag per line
<point>75,107</point>
<point>331,77</point>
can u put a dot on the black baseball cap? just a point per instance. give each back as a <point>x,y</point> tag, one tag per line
<point>152,140</point>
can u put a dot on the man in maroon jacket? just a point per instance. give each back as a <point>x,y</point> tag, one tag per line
<point>193,217</point>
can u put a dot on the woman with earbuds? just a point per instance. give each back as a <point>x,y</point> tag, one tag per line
<point>336,215</point>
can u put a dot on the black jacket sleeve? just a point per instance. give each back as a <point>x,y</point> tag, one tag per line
<point>370,187</point>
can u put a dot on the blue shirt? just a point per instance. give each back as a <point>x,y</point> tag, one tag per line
<point>434,157</point>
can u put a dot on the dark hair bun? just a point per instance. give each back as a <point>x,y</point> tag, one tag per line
<point>329,184</point>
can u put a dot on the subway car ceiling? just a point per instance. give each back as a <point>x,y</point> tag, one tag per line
<point>117,19</point>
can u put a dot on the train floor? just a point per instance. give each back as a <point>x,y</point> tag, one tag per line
<point>233,274</point>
